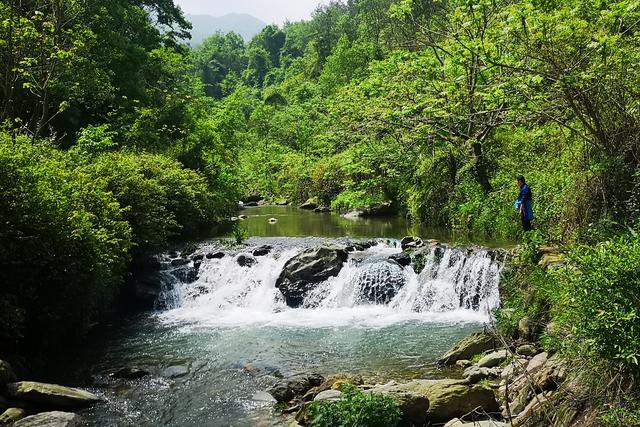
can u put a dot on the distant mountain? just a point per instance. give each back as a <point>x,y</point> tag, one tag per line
<point>206,25</point>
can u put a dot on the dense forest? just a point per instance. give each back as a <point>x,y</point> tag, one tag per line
<point>117,139</point>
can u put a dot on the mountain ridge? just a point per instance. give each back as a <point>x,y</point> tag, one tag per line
<point>206,25</point>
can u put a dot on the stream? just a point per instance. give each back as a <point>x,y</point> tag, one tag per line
<point>222,335</point>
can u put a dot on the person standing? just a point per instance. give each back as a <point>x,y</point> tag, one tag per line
<point>524,204</point>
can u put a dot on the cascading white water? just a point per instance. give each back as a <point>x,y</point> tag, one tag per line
<point>455,284</point>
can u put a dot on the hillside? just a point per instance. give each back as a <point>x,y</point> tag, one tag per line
<point>206,25</point>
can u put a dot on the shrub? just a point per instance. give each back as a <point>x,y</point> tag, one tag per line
<point>356,408</point>
<point>64,250</point>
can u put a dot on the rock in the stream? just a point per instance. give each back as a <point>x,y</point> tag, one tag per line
<point>322,209</point>
<point>252,198</point>
<point>51,395</point>
<point>262,250</point>
<point>306,270</point>
<point>310,204</point>
<point>493,359</point>
<point>464,363</point>
<point>447,399</point>
<point>402,258</point>
<point>6,374</point>
<point>215,255</point>
<point>378,209</point>
<point>129,373</point>
<point>296,386</point>
<point>410,242</point>
<point>246,260</point>
<point>379,282</point>
<point>176,371</point>
<point>468,347</point>
<point>12,415</point>
<point>51,419</point>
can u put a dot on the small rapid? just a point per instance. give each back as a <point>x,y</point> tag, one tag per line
<point>441,284</point>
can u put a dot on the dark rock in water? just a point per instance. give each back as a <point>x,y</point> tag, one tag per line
<point>410,242</point>
<point>196,265</point>
<point>216,255</point>
<point>129,373</point>
<point>11,415</point>
<point>310,204</point>
<point>246,260</point>
<point>198,257</point>
<point>378,209</point>
<point>252,198</point>
<point>179,261</point>
<point>295,386</point>
<point>322,209</point>
<point>379,282</point>
<point>186,274</point>
<point>51,419</point>
<point>402,258</point>
<point>175,371</point>
<point>251,204</point>
<point>262,250</point>
<point>305,270</point>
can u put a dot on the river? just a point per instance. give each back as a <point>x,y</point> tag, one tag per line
<point>223,337</point>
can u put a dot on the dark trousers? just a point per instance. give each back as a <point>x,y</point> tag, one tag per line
<point>526,224</point>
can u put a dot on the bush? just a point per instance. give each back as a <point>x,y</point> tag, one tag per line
<point>599,302</point>
<point>356,408</point>
<point>64,250</point>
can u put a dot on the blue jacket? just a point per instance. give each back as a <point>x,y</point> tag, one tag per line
<point>525,197</point>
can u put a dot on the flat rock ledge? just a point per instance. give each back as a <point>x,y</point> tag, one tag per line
<point>50,395</point>
<point>51,419</point>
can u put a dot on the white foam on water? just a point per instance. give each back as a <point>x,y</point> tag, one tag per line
<point>456,286</point>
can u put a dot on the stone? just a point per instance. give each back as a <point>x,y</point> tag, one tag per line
<point>526,350</point>
<point>328,395</point>
<point>410,242</point>
<point>129,373</point>
<point>250,205</point>
<point>198,257</point>
<point>6,374</point>
<point>180,261</point>
<point>262,250</point>
<point>474,374</point>
<point>242,217</point>
<point>296,386</point>
<point>176,371</point>
<point>402,258</point>
<point>310,204</point>
<point>464,363</point>
<point>468,347</point>
<point>377,209</point>
<point>12,415</point>
<point>322,209</point>
<point>493,359</point>
<point>246,260</point>
<point>530,410</point>
<point>51,419</point>
<point>456,422</point>
<point>334,382</point>
<point>447,399</point>
<point>526,329</point>
<point>263,396</point>
<point>306,270</point>
<point>216,255</point>
<point>51,395</point>
<point>252,198</point>
<point>550,375</point>
<point>551,261</point>
<point>273,221</point>
<point>537,362</point>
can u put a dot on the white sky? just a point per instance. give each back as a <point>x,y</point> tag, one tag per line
<point>270,11</point>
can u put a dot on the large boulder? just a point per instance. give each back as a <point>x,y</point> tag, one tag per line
<point>12,415</point>
<point>493,359</point>
<point>252,198</point>
<point>306,270</point>
<point>6,374</point>
<point>469,347</point>
<point>296,386</point>
<point>51,419</point>
<point>377,209</point>
<point>414,406</point>
<point>379,282</point>
<point>310,204</point>
<point>447,399</point>
<point>51,395</point>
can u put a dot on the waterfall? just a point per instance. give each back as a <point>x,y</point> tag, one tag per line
<point>454,283</point>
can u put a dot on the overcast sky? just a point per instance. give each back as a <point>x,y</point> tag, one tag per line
<point>270,11</point>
